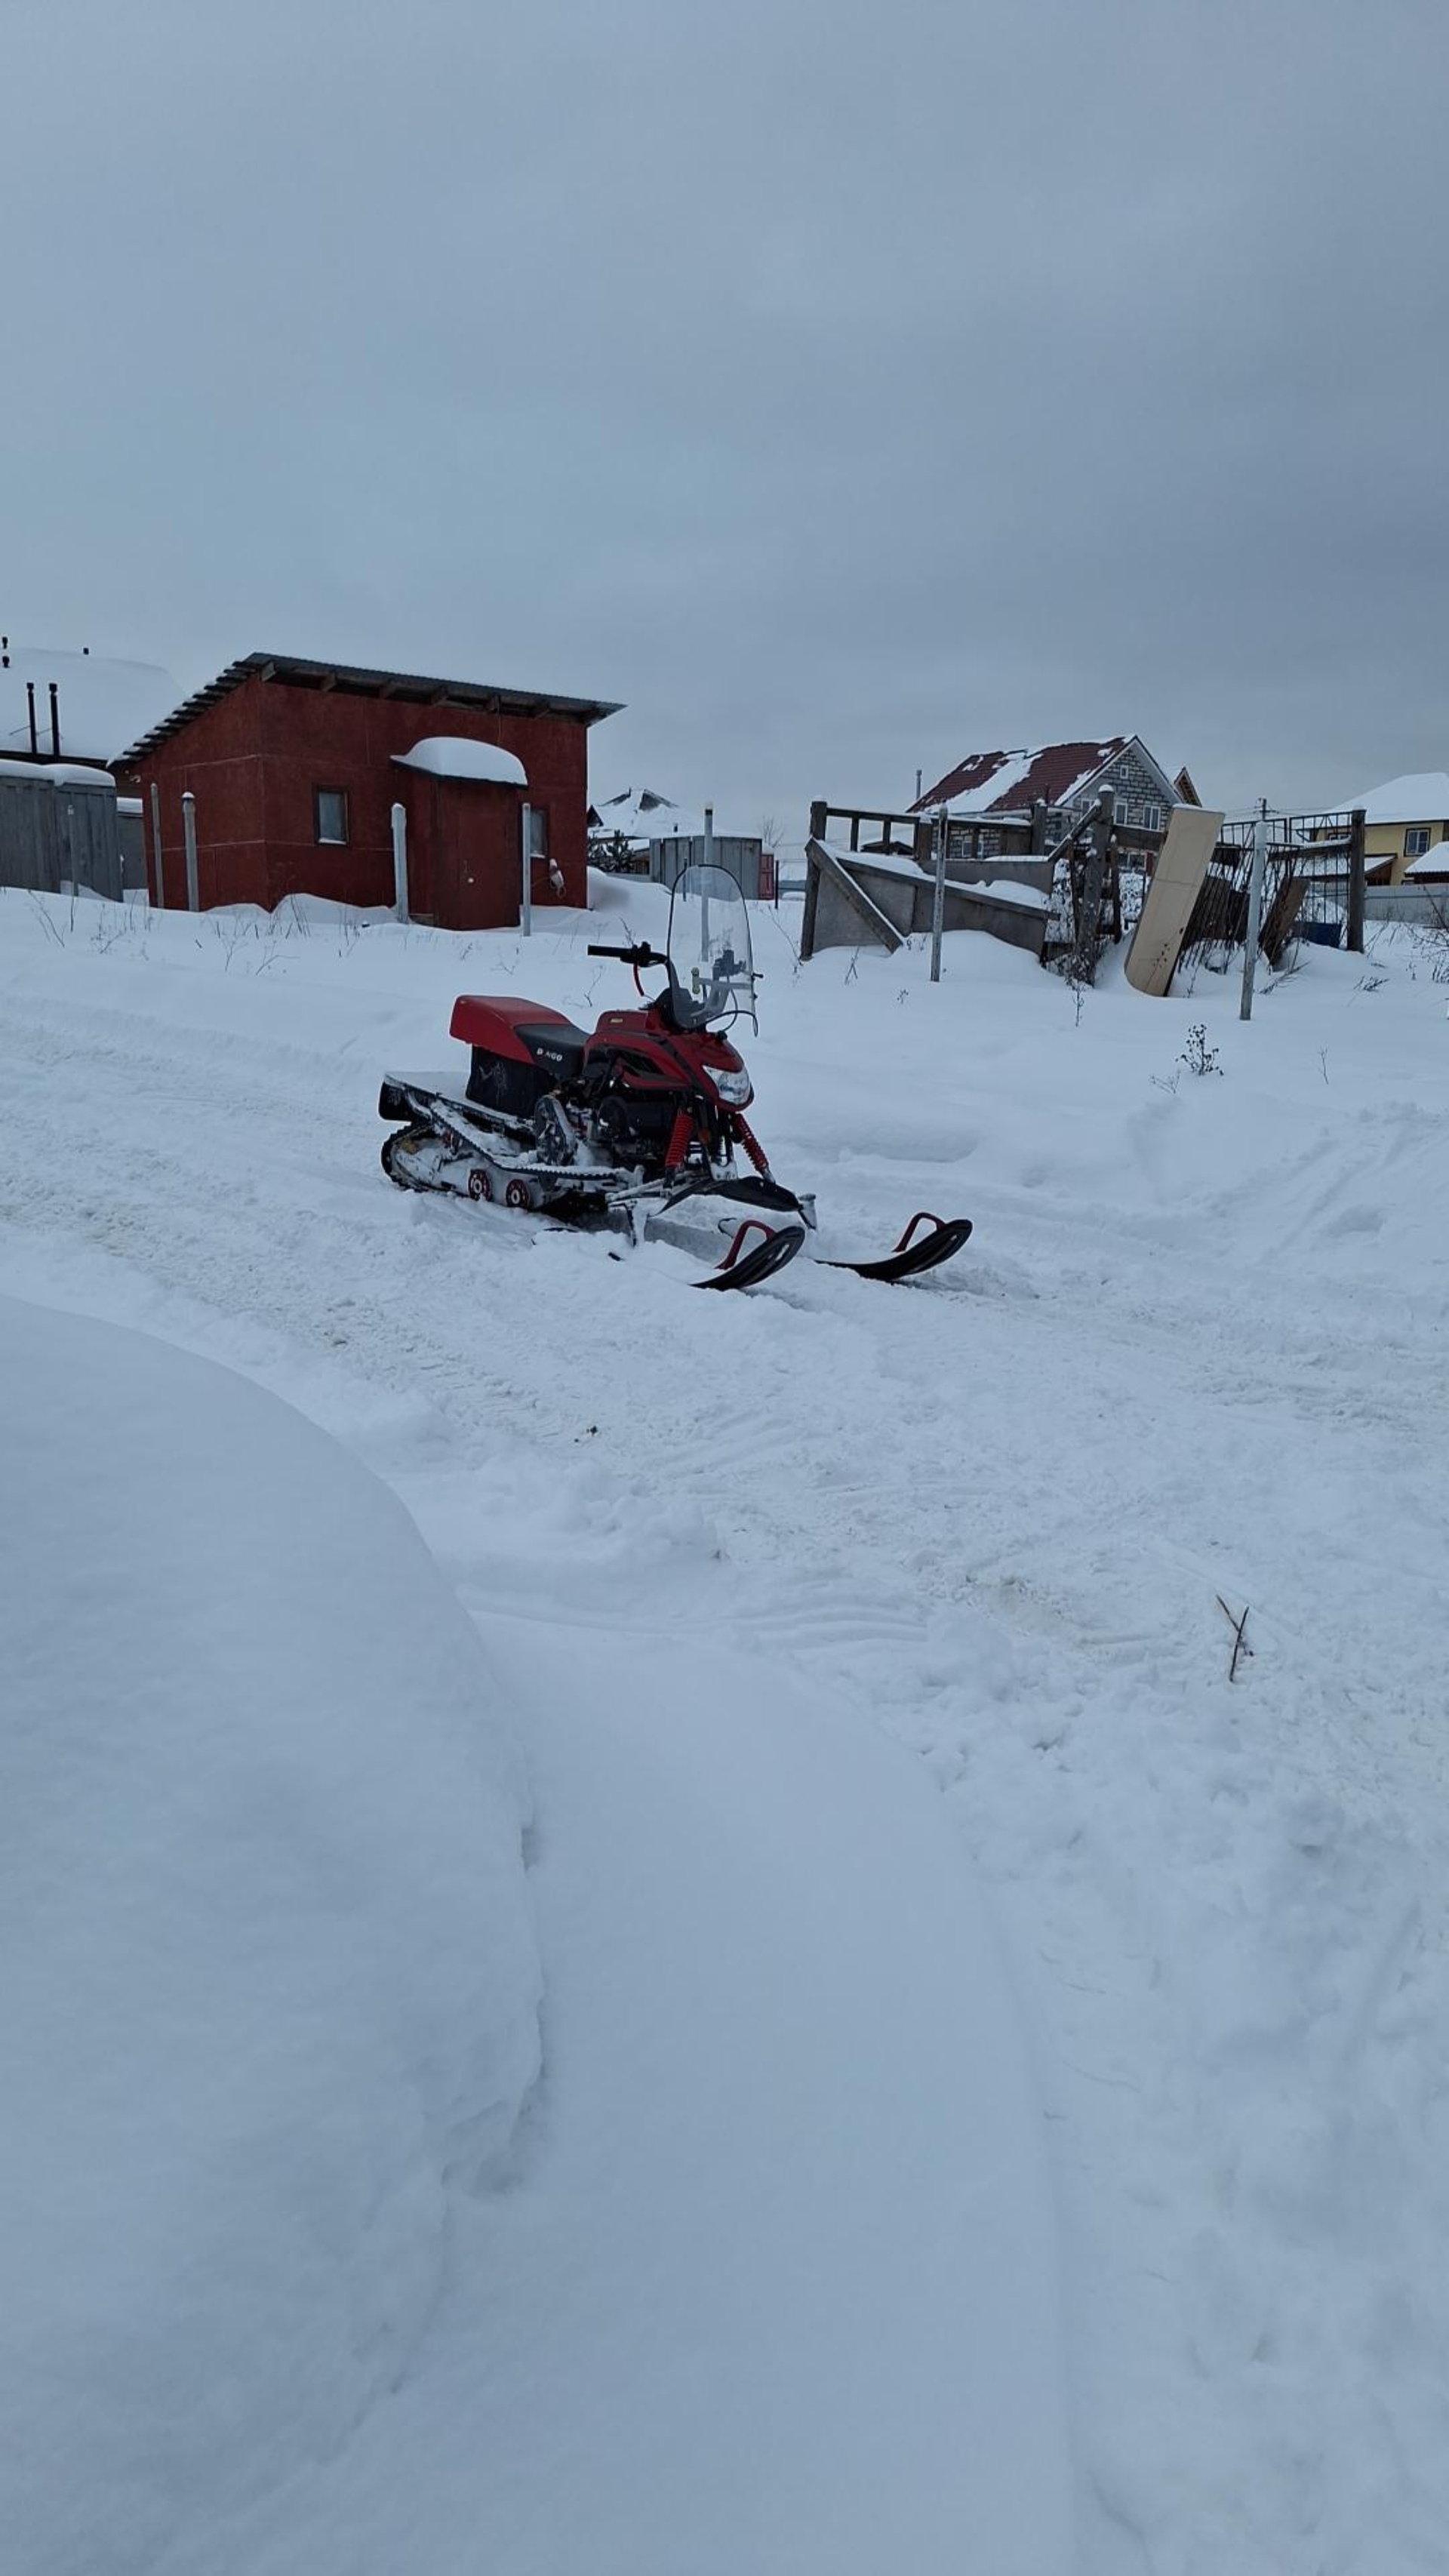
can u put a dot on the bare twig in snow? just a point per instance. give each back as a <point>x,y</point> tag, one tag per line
<point>1241,1646</point>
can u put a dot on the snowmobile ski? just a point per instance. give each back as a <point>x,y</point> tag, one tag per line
<point>746,1269</point>
<point>915,1252</point>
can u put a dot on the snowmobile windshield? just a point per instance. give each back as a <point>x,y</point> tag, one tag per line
<point>709,948</point>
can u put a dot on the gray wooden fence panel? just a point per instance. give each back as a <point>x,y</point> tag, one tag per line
<point>739,857</point>
<point>53,835</point>
<point>29,850</point>
<point>89,838</point>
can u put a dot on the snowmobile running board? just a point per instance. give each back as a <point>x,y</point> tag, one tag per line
<point>913,1253</point>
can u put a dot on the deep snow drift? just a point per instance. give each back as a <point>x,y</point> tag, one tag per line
<point>1195,1349</point>
<point>269,2002</point>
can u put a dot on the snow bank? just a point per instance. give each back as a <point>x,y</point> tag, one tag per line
<point>269,1997</point>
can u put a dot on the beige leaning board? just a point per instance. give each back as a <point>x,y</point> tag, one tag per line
<point>1182,863</point>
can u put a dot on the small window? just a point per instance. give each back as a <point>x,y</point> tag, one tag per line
<point>1120,812</point>
<point>329,813</point>
<point>1416,841</point>
<point>1152,818</point>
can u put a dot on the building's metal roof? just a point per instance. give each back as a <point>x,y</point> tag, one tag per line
<point>293,673</point>
<point>1003,782</point>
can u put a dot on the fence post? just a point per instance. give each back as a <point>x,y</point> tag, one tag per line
<point>400,860</point>
<point>938,896</point>
<point>1356,876</point>
<point>1255,908</point>
<point>188,826</point>
<point>1088,924</point>
<point>156,842</point>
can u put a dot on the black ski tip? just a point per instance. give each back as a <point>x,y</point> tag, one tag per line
<point>916,1252</point>
<point>746,1269</point>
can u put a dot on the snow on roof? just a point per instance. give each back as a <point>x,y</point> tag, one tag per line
<point>884,863</point>
<point>677,825</point>
<point>636,812</point>
<point>102,704</point>
<point>1007,782</point>
<point>641,815</point>
<point>1421,797</point>
<point>1430,863</point>
<point>453,755</point>
<point>57,773</point>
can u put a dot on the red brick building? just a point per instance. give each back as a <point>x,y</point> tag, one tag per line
<point>295,767</point>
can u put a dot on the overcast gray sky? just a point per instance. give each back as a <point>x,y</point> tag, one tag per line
<point>844,387</point>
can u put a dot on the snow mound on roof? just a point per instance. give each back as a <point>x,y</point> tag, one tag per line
<point>453,755</point>
<point>269,1971</point>
<point>60,773</point>
<point>1420,797</point>
<point>642,815</point>
<point>637,812</point>
<point>103,705</point>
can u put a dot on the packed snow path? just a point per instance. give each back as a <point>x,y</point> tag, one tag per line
<point>776,2289</point>
<point>1196,1349</point>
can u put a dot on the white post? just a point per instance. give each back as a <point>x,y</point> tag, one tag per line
<point>188,825</point>
<point>400,860</point>
<point>525,913</point>
<point>1255,908</point>
<point>938,896</point>
<point>709,836</point>
<point>156,841</point>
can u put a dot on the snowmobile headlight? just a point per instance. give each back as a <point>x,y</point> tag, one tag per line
<point>733,1088</point>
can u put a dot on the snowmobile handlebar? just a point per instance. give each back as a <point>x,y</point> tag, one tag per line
<point>636,957</point>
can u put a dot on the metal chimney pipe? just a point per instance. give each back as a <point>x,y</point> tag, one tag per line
<point>30,711</point>
<point>54,721</point>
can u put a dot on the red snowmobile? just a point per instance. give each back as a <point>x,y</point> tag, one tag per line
<point>637,1126</point>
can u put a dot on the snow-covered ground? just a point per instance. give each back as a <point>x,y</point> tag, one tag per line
<point>834,2227</point>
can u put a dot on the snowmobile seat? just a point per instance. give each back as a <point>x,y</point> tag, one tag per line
<point>519,1032</point>
<point>556,1046</point>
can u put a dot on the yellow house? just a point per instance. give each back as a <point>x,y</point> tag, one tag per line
<point>1403,822</point>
